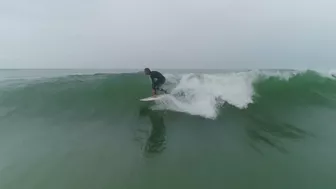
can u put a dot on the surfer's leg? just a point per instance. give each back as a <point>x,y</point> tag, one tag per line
<point>159,86</point>
<point>156,86</point>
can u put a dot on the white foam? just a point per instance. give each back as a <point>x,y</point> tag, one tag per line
<point>202,94</point>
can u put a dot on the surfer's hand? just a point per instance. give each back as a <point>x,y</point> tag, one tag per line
<point>153,92</point>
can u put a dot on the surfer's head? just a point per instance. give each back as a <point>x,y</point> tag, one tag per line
<point>147,71</point>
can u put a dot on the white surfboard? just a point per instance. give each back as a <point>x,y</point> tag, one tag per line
<point>152,98</point>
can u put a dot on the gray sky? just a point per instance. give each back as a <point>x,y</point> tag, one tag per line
<point>167,34</point>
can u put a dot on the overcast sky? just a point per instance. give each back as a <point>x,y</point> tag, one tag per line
<point>167,34</point>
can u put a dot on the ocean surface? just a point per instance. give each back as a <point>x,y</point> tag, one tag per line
<point>87,129</point>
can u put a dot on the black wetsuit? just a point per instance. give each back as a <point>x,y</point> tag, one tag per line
<point>157,80</point>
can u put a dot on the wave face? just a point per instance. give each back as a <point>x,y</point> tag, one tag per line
<point>77,131</point>
<point>195,94</point>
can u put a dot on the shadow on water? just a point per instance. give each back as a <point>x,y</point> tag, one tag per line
<point>272,132</point>
<point>265,129</point>
<point>156,141</point>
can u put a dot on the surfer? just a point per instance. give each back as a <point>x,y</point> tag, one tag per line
<point>157,80</point>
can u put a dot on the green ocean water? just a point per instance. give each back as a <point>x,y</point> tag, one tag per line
<point>272,129</point>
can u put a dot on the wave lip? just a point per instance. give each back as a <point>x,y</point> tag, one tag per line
<point>204,94</point>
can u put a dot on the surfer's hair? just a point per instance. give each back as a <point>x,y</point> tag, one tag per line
<point>147,70</point>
